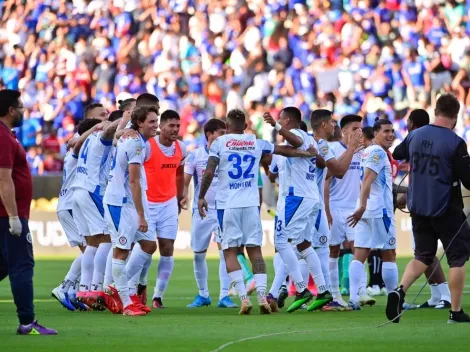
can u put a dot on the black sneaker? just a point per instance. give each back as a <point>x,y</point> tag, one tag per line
<point>426,305</point>
<point>282,296</point>
<point>458,317</point>
<point>395,302</point>
<point>443,304</point>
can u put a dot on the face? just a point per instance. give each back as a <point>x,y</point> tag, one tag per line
<point>149,127</point>
<point>329,127</point>
<point>17,112</point>
<point>213,136</point>
<point>283,119</point>
<point>350,128</point>
<point>385,136</point>
<point>170,129</point>
<point>99,113</point>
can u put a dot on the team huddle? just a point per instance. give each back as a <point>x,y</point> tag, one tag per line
<point>124,186</point>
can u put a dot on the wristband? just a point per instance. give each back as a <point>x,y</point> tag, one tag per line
<point>277,126</point>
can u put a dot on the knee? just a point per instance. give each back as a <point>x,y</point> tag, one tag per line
<point>425,259</point>
<point>166,248</point>
<point>120,254</point>
<point>149,247</point>
<point>334,251</point>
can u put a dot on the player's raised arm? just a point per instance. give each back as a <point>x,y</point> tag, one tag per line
<point>136,190</point>
<point>206,182</point>
<point>110,130</point>
<point>295,153</point>
<point>290,137</point>
<point>339,167</point>
<point>80,140</point>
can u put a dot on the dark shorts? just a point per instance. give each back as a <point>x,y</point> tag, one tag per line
<point>428,230</point>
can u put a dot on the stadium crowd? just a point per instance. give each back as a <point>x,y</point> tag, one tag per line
<point>205,57</point>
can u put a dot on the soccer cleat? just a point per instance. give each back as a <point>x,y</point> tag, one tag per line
<point>264,307</point>
<point>409,306</point>
<point>133,310</point>
<point>300,299</point>
<point>335,306</point>
<point>63,299</point>
<point>282,296</point>
<point>250,287</point>
<point>320,301</point>
<point>100,304</point>
<point>246,307</point>
<point>34,329</point>
<point>344,291</point>
<point>458,317</point>
<point>354,305</point>
<point>142,293</point>
<point>427,305</point>
<point>383,291</point>
<point>78,305</point>
<point>395,301</point>
<point>374,291</point>
<point>233,292</point>
<point>136,301</point>
<point>226,302</point>
<point>200,301</point>
<point>443,304</point>
<point>157,303</point>
<point>85,298</point>
<point>367,300</point>
<point>272,303</point>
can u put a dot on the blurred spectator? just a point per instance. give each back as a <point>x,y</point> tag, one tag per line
<point>52,165</point>
<point>51,143</point>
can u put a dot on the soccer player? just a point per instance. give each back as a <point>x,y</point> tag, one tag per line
<point>89,186</point>
<point>127,210</point>
<point>202,229</point>
<point>164,170</point>
<point>238,156</point>
<point>65,293</point>
<point>374,215</point>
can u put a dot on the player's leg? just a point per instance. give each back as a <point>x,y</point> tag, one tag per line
<point>375,273</point>
<point>347,258</point>
<point>247,274</point>
<point>280,274</point>
<point>337,238</point>
<point>440,294</point>
<point>224,278</point>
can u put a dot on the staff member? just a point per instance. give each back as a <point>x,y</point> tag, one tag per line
<point>439,162</point>
<point>16,192</point>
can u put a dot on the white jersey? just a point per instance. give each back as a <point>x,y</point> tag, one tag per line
<point>91,171</point>
<point>239,156</point>
<point>380,200</point>
<point>68,177</point>
<point>195,166</point>
<point>324,150</point>
<point>130,150</point>
<point>344,192</point>
<point>277,164</point>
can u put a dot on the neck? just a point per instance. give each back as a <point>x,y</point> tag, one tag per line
<point>165,141</point>
<point>235,131</point>
<point>444,122</point>
<point>319,134</point>
<point>381,146</point>
<point>7,122</point>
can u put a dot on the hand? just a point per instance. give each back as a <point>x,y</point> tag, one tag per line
<point>330,219</point>
<point>311,151</point>
<point>401,202</point>
<point>202,207</point>
<point>126,116</point>
<point>16,228</point>
<point>182,204</point>
<point>130,134</point>
<point>355,140</point>
<point>143,227</point>
<point>356,216</point>
<point>269,119</point>
<point>102,125</point>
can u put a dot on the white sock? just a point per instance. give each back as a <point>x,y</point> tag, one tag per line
<point>120,278</point>
<point>72,275</point>
<point>74,287</point>
<point>304,270</point>
<point>280,275</point>
<point>314,266</point>
<point>324,255</point>
<point>134,266</point>
<point>261,282</point>
<point>201,273</point>
<point>444,291</point>
<point>108,273</point>
<point>100,266</point>
<point>363,283</point>
<point>390,275</point>
<point>288,256</point>
<point>435,295</point>
<point>334,277</point>
<point>356,273</point>
<point>87,268</point>
<point>224,278</point>
<point>145,271</point>
<point>237,281</point>
<point>164,270</point>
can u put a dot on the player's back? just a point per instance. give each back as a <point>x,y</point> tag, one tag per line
<point>91,170</point>
<point>68,177</point>
<point>239,157</point>
<point>196,163</point>
<point>344,192</point>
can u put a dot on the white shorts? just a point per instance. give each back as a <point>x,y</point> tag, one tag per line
<point>340,230</point>
<point>294,219</point>
<point>240,227</point>
<point>203,229</point>
<point>123,226</point>
<point>88,213</point>
<point>70,228</point>
<point>377,233</point>
<point>321,230</point>
<point>163,218</point>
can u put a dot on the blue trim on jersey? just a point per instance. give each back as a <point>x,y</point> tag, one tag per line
<point>275,170</point>
<point>98,200</point>
<point>318,221</point>
<point>196,180</point>
<point>206,149</point>
<point>291,191</point>
<point>387,221</point>
<point>70,212</point>
<point>145,139</point>
<point>74,156</point>
<point>344,146</point>
<point>115,212</point>
<point>220,217</point>
<point>106,142</point>
<point>292,204</point>
<point>267,151</point>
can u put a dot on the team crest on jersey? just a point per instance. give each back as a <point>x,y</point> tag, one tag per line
<point>122,240</point>
<point>376,158</point>
<point>392,241</point>
<point>29,238</point>
<point>323,239</point>
<point>324,150</point>
<point>138,150</point>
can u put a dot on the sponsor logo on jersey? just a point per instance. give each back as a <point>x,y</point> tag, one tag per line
<point>169,166</point>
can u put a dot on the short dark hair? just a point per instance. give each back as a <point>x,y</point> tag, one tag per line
<point>8,98</point>
<point>169,115</point>
<point>146,99</point>
<point>368,133</point>
<point>213,125</point>
<point>85,125</point>
<point>123,104</point>
<point>348,119</point>
<point>379,123</point>
<point>318,116</point>
<point>293,113</point>
<point>303,126</point>
<point>448,106</point>
<point>236,118</point>
<point>140,115</point>
<point>90,107</point>
<point>419,117</point>
<point>115,115</point>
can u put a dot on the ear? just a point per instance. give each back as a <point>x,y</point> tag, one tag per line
<point>246,126</point>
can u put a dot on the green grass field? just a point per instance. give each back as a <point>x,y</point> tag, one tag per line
<point>211,329</point>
